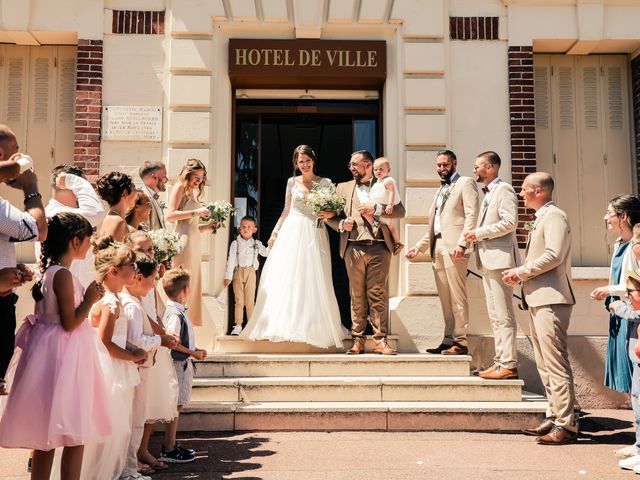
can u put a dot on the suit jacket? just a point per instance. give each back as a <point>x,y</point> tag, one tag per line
<point>497,246</point>
<point>546,273</point>
<point>156,217</point>
<point>458,213</point>
<point>348,191</point>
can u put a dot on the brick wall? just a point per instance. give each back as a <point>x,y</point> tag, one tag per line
<point>473,28</point>
<point>523,129</point>
<point>86,148</point>
<point>138,22</point>
<point>635,92</point>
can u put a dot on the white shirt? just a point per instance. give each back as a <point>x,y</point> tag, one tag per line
<point>172,324</point>
<point>244,253</point>
<point>90,207</point>
<point>135,314</point>
<point>15,226</point>
<point>437,228</point>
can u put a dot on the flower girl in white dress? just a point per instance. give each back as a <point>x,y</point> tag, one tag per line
<point>296,301</point>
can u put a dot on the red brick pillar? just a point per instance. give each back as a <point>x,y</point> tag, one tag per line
<point>523,127</point>
<point>86,147</point>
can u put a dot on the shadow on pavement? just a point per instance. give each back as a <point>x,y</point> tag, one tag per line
<point>605,430</point>
<point>217,456</point>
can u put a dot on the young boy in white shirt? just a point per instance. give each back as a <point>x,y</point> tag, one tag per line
<point>242,265</point>
<point>176,321</point>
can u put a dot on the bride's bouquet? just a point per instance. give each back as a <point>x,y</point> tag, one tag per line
<point>325,199</point>
<point>220,212</point>
<point>165,245</point>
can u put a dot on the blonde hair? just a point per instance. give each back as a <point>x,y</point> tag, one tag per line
<point>110,253</point>
<point>636,234</point>
<point>381,161</point>
<point>191,166</point>
<point>175,281</point>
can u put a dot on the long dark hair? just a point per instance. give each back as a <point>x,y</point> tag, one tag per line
<point>304,150</point>
<point>63,228</point>
<point>629,205</point>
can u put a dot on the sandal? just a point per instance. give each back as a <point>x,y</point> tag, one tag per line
<point>153,462</point>
<point>144,469</point>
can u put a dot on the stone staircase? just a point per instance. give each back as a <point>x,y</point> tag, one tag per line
<point>332,391</point>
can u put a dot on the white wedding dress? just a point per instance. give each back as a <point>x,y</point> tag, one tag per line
<point>296,301</point>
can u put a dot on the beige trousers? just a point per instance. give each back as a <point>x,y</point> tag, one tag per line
<point>451,278</point>
<point>503,320</point>
<point>244,291</point>
<point>549,324</point>
<point>368,271</point>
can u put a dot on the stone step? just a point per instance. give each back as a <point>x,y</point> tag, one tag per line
<point>335,365</point>
<point>383,416</point>
<point>356,389</point>
<point>235,344</point>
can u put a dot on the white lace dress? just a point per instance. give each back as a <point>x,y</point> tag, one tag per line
<point>296,301</point>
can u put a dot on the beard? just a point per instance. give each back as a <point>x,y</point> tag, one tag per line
<point>447,175</point>
<point>162,186</point>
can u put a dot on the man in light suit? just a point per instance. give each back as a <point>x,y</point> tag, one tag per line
<point>496,251</point>
<point>546,289</point>
<point>454,210</point>
<point>154,179</point>
<point>366,250</point>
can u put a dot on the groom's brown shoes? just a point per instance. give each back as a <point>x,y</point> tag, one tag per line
<point>558,436</point>
<point>545,427</point>
<point>358,348</point>
<point>383,348</point>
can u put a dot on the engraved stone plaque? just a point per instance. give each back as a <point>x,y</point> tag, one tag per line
<point>132,123</point>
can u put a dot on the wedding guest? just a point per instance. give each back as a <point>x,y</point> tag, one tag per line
<point>184,209</point>
<point>71,192</point>
<point>58,397</point>
<point>623,212</point>
<point>385,192</point>
<point>454,211</point>
<point>138,216</point>
<point>547,291</point>
<point>242,265</point>
<point>176,285</point>
<point>496,251</point>
<point>299,257</point>
<point>367,255</point>
<point>154,179</point>
<point>16,226</point>
<point>631,314</point>
<point>118,191</point>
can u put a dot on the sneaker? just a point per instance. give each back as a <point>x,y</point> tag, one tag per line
<point>237,329</point>
<point>636,469</point>
<point>137,476</point>
<point>630,463</point>
<point>184,449</point>
<point>176,455</point>
<point>626,452</point>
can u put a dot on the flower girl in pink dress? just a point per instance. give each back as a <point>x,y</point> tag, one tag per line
<point>57,392</point>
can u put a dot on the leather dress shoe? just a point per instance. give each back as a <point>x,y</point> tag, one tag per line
<point>383,348</point>
<point>545,427</point>
<point>357,348</point>
<point>438,350</point>
<point>558,436</point>
<point>455,349</point>
<point>481,371</point>
<point>499,373</point>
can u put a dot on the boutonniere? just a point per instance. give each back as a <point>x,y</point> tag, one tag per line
<point>444,194</point>
<point>162,205</point>
<point>530,226</point>
<point>485,203</point>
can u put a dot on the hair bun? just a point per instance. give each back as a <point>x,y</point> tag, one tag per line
<point>100,243</point>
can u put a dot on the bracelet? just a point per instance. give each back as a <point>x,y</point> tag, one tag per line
<point>31,195</point>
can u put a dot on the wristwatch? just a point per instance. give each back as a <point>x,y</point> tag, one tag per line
<point>31,195</point>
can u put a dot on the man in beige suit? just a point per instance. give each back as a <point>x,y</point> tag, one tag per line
<point>366,248</point>
<point>154,179</point>
<point>496,251</point>
<point>546,288</point>
<point>454,210</point>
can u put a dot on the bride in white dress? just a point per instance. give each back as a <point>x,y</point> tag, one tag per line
<point>296,301</point>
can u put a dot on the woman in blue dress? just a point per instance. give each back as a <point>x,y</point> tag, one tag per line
<point>623,212</point>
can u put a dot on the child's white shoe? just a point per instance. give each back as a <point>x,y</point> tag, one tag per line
<point>630,463</point>
<point>237,329</point>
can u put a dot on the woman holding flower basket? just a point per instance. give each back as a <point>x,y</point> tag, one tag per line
<point>296,301</point>
<point>185,210</point>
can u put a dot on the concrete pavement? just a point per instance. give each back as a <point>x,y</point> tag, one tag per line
<point>394,455</point>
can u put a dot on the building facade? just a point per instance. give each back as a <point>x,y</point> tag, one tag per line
<point>549,85</point>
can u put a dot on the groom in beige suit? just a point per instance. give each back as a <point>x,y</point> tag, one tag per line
<point>454,210</point>
<point>546,288</point>
<point>366,247</point>
<point>496,251</point>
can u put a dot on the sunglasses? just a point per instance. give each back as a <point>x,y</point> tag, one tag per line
<point>629,290</point>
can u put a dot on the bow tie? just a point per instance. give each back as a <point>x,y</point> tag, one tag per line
<point>485,190</point>
<point>156,196</point>
<point>363,184</point>
<point>445,182</point>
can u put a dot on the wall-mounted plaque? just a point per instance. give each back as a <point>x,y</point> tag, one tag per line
<point>132,123</point>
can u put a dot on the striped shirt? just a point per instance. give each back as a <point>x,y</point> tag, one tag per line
<point>15,226</point>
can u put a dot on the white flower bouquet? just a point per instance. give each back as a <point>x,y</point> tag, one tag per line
<point>165,245</point>
<point>324,199</point>
<point>220,211</point>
